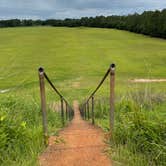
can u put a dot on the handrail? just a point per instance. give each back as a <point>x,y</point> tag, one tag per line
<point>69,111</point>
<point>49,81</point>
<point>84,109</point>
<point>55,89</point>
<point>99,85</point>
<point>52,85</point>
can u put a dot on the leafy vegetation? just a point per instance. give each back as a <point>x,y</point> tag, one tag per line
<point>140,129</point>
<point>21,136</point>
<point>151,23</point>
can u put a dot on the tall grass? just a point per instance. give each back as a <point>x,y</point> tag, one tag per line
<point>140,128</point>
<point>21,137</point>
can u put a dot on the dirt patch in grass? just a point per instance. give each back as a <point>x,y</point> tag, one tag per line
<point>76,84</point>
<point>147,80</point>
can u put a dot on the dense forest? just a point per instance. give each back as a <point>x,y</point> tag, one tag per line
<point>151,23</point>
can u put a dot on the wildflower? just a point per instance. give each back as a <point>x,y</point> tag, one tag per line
<point>23,124</point>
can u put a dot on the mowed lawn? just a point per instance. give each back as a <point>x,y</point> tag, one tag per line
<point>76,58</point>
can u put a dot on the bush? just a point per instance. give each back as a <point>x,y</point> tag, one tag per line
<point>21,135</point>
<point>140,125</point>
<point>142,132</point>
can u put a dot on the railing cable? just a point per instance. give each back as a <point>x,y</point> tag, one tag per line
<point>101,82</point>
<point>84,108</point>
<point>69,109</point>
<point>55,89</point>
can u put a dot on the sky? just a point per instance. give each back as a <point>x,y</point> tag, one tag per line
<point>60,9</point>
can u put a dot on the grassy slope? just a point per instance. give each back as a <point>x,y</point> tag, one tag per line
<point>80,56</point>
<point>77,55</point>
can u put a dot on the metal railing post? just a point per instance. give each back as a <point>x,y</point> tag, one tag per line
<point>43,104</point>
<point>93,120</point>
<point>62,111</point>
<point>82,112</point>
<point>85,111</point>
<point>66,111</point>
<point>70,113</point>
<point>112,96</point>
<point>88,109</point>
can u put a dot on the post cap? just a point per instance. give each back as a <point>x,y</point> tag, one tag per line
<point>112,66</point>
<point>41,69</point>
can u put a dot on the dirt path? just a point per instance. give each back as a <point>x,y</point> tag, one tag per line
<point>81,145</point>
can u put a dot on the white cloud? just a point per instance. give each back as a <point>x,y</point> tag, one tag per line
<point>44,9</point>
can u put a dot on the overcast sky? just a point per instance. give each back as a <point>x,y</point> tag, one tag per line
<point>44,9</point>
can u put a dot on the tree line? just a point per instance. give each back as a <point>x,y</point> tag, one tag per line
<point>151,23</point>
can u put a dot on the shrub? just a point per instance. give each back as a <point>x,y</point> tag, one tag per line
<point>140,125</point>
<point>21,135</point>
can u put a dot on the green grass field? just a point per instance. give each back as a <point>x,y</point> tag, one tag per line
<point>77,56</point>
<point>76,59</point>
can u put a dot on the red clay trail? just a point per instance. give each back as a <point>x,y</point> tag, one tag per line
<point>81,144</point>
